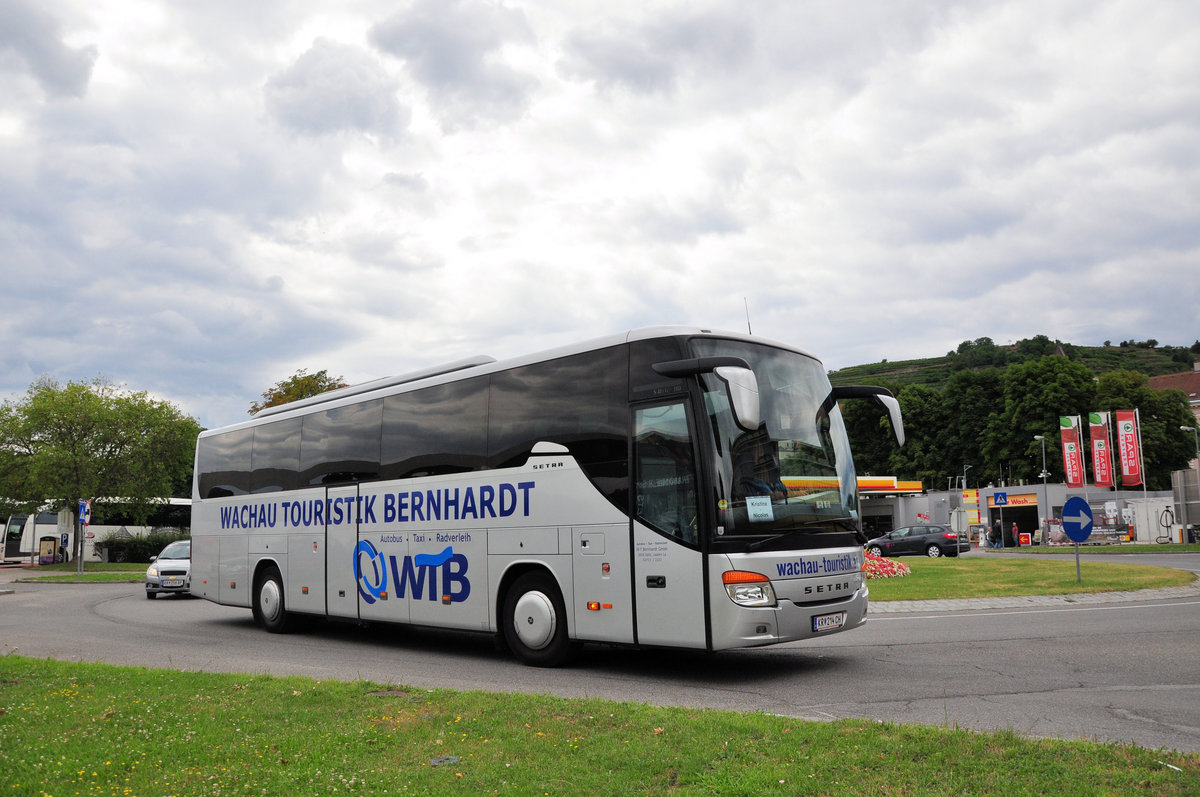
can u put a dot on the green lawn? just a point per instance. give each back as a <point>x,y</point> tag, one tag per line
<point>982,577</point>
<point>70,728</point>
<point>931,579</point>
<point>101,572</point>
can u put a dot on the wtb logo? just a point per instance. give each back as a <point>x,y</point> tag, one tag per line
<point>416,573</point>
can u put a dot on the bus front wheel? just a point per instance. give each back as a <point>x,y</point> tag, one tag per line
<point>534,621</point>
<point>269,609</point>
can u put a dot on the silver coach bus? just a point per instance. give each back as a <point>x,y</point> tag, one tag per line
<point>627,491</point>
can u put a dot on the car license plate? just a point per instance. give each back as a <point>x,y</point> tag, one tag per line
<point>828,622</point>
<point>172,582</point>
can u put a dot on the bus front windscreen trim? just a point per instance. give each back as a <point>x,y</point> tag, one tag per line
<point>793,476</point>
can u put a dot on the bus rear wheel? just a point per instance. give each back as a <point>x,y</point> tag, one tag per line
<point>534,621</point>
<point>269,608</point>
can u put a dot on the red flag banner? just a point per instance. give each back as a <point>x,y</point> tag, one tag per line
<point>1128,447</point>
<point>1102,473</point>
<point>1072,456</point>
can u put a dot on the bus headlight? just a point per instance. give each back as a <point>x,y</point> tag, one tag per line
<point>748,589</point>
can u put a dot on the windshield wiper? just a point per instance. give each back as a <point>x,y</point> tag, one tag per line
<point>846,523</point>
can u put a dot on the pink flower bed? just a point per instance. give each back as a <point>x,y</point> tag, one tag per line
<point>882,567</point>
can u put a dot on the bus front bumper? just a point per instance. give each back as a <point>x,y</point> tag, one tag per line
<point>788,621</point>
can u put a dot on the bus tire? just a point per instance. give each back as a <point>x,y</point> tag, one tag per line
<point>269,609</point>
<point>534,621</point>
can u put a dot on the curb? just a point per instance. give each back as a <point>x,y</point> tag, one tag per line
<point>1033,601</point>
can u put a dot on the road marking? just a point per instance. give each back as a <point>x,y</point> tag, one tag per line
<point>933,614</point>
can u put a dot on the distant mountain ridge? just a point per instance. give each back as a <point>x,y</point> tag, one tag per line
<point>1145,357</point>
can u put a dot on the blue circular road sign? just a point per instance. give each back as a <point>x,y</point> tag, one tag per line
<point>1077,519</point>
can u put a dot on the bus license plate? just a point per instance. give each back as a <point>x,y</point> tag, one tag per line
<point>828,622</point>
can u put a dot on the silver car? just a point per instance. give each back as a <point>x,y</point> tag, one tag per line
<point>170,571</point>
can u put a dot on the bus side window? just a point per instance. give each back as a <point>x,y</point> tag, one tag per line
<point>665,476</point>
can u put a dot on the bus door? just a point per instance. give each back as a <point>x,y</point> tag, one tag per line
<point>12,536</point>
<point>339,546</point>
<point>668,582</point>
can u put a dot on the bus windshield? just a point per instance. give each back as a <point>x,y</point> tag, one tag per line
<point>793,475</point>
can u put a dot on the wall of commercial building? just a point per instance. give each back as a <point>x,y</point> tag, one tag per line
<point>1036,510</point>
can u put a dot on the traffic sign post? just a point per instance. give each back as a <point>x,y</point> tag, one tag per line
<point>1077,523</point>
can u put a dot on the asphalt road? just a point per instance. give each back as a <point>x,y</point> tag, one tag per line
<point>1123,672</point>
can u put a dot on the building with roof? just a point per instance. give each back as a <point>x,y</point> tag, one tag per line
<point>1187,381</point>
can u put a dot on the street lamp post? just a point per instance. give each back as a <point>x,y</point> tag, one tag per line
<point>1196,439</point>
<point>1045,495</point>
<point>964,489</point>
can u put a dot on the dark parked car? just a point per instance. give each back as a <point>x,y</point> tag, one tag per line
<point>929,540</point>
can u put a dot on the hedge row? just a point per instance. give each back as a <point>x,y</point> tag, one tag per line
<point>136,549</point>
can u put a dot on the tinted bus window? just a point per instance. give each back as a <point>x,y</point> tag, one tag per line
<point>436,430</point>
<point>341,444</point>
<point>643,381</point>
<point>580,402</point>
<point>158,516</point>
<point>223,463</point>
<point>275,464</point>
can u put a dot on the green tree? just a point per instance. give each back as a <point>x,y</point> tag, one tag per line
<point>63,443</point>
<point>978,353</point>
<point>300,385</point>
<point>1036,393</point>
<point>1037,346</point>
<point>972,401</point>
<point>870,433</point>
<point>1160,413</point>
<point>923,454</point>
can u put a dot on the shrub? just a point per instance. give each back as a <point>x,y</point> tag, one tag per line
<point>115,548</point>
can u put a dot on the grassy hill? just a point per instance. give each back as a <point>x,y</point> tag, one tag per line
<point>1146,357</point>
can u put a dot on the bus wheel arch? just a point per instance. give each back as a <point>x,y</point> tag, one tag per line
<point>533,618</point>
<point>267,602</point>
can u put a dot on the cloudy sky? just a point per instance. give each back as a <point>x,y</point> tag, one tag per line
<point>198,199</point>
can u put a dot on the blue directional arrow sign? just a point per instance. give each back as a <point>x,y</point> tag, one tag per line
<point>1077,519</point>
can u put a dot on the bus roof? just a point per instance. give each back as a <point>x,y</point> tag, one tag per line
<point>478,366</point>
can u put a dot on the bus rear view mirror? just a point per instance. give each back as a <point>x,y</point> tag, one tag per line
<point>880,395</point>
<point>743,395</point>
<point>740,383</point>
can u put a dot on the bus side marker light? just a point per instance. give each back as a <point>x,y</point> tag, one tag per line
<point>446,600</point>
<point>304,590</point>
<point>606,568</point>
<point>595,606</point>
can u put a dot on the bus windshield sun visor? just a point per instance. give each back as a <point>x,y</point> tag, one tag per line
<point>678,369</point>
<point>738,377</point>
<point>881,395</point>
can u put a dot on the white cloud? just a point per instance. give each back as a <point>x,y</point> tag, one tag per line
<point>31,42</point>
<point>335,87</point>
<point>200,199</point>
<point>455,49</point>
